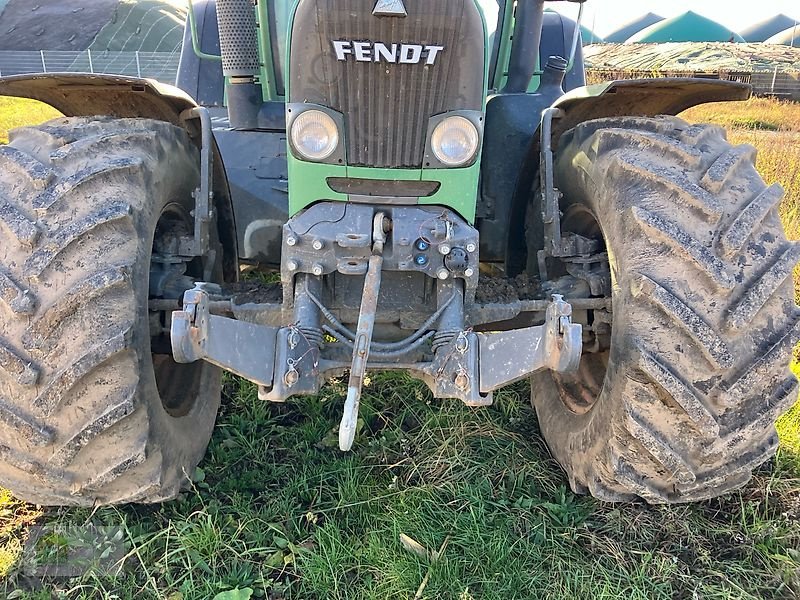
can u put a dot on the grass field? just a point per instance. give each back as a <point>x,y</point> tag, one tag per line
<point>16,113</point>
<point>276,511</point>
<point>774,128</point>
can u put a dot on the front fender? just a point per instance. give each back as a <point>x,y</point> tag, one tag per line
<point>642,98</point>
<point>634,97</point>
<point>85,95</point>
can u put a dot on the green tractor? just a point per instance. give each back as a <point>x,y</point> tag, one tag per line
<point>440,194</point>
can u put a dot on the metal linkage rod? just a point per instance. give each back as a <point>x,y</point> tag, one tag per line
<point>364,331</point>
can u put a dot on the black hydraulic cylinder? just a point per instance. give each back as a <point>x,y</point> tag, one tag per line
<point>525,46</point>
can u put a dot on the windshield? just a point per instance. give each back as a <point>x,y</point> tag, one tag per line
<point>279,11</point>
<point>491,12</point>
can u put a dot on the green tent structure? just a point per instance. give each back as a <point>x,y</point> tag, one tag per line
<point>688,27</point>
<point>112,25</point>
<point>761,32</point>
<point>587,35</point>
<point>590,37</point>
<point>788,37</point>
<point>152,25</point>
<point>33,26</point>
<point>772,70</point>
<point>633,27</point>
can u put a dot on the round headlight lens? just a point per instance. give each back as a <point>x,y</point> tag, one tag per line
<point>455,141</point>
<point>315,135</point>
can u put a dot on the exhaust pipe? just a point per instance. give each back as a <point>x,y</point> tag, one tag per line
<point>238,40</point>
<point>525,49</point>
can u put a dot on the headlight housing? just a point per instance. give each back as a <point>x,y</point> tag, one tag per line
<point>314,135</point>
<point>455,141</point>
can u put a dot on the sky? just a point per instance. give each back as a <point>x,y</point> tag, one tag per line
<point>604,16</point>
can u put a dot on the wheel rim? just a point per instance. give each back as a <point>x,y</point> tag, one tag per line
<point>178,384</point>
<point>580,392</point>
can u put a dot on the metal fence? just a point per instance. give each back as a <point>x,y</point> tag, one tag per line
<point>162,66</point>
<point>779,84</point>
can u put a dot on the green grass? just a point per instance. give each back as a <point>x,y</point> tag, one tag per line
<point>757,113</point>
<point>277,509</point>
<point>773,127</point>
<point>15,112</point>
<point>281,511</point>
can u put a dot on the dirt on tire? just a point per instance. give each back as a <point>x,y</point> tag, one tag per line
<point>87,415</point>
<point>683,406</point>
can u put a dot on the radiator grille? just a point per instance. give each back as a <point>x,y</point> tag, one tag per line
<point>386,106</point>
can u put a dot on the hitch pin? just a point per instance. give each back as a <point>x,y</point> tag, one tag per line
<point>366,326</point>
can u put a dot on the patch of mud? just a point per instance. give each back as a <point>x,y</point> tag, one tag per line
<point>492,289</point>
<point>253,292</point>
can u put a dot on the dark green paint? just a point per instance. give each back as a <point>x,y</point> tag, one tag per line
<point>307,181</point>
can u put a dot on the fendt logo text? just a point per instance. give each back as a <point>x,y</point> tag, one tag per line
<point>404,54</point>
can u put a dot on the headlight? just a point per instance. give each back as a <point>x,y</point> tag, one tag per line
<point>314,135</point>
<point>455,141</point>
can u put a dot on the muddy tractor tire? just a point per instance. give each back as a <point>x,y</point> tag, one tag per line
<point>91,413</point>
<point>683,405</point>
